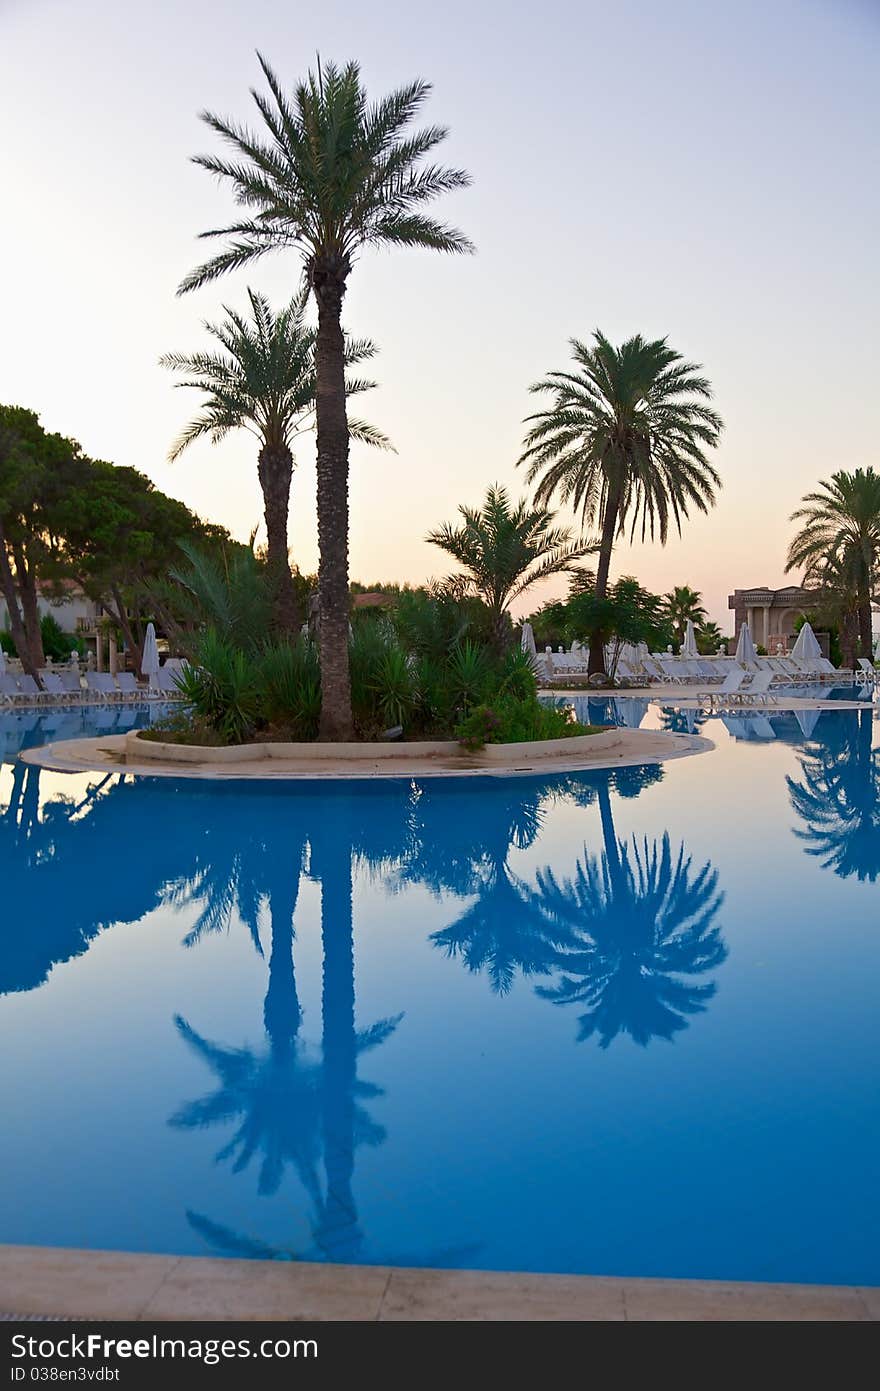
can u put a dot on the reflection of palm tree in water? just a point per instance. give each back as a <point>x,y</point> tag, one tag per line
<point>465,849</point>
<point>625,934</point>
<point>838,797</point>
<point>640,924</point>
<point>295,1106</point>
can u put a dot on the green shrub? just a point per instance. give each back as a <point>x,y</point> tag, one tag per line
<point>6,643</point>
<point>57,644</point>
<point>395,687</point>
<point>289,680</point>
<point>516,675</point>
<point>511,720</point>
<point>468,673</point>
<point>222,689</point>
<point>367,646</point>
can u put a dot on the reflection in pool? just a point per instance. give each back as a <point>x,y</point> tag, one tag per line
<point>617,1023</point>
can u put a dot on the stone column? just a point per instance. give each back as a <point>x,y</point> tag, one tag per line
<point>114,655</point>
<point>767,627</point>
<point>99,650</point>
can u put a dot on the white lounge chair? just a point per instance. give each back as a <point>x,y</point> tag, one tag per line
<point>868,668</point>
<point>127,684</point>
<point>672,675</point>
<point>166,682</point>
<point>727,692</point>
<point>71,682</point>
<point>29,690</point>
<point>101,686</point>
<point>758,690</point>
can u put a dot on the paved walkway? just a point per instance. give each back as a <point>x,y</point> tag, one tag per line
<point>46,1282</point>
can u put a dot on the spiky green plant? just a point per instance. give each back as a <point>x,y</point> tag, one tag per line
<point>330,174</point>
<point>504,548</point>
<point>222,689</point>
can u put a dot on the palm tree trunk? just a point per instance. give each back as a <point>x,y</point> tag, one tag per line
<point>340,1237</point>
<point>866,636</point>
<point>606,545</point>
<point>332,440</point>
<point>849,639</point>
<point>275,471</point>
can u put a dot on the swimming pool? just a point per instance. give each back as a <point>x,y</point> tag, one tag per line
<point>620,1023</point>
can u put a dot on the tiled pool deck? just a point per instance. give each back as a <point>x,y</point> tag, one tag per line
<point>47,1282</point>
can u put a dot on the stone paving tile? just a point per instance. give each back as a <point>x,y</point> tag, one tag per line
<point>450,1295</point>
<point>69,1283</point>
<point>703,1301</point>
<point>209,1288</point>
<point>871,1298</point>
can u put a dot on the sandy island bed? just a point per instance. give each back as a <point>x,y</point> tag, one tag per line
<point>613,748</point>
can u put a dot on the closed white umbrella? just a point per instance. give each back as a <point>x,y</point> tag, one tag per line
<point>689,647</point>
<point>2,662</point>
<point>528,640</point>
<point>150,659</point>
<point>807,648</point>
<point>745,648</point>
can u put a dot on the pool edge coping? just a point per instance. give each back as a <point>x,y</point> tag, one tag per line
<point>42,1282</point>
<point>621,748</point>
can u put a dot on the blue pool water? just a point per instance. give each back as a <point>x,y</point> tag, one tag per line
<point>624,1023</point>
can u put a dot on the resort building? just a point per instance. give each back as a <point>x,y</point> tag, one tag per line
<point>771,613</point>
<point>70,608</point>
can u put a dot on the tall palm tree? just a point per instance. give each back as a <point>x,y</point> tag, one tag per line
<point>504,549</point>
<point>263,381</point>
<point>625,440</point>
<point>841,520</point>
<point>330,175</point>
<point>683,603</point>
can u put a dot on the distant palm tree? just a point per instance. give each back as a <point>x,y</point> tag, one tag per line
<point>263,381</point>
<point>838,798</point>
<point>840,523</point>
<point>681,604</point>
<point>625,440</point>
<point>330,175</point>
<point>505,548</point>
<point>641,923</point>
<point>709,637</point>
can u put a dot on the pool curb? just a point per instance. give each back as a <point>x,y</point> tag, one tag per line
<point>613,749</point>
<point>50,1282</point>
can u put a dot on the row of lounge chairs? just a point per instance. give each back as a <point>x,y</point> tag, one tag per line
<point>96,687</point>
<point>662,669</point>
